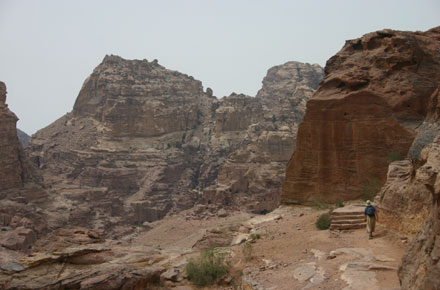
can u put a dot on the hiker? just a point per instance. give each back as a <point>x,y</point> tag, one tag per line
<point>371,217</point>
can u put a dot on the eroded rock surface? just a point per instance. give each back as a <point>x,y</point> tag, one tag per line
<point>13,172</point>
<point>143,141</point>
<point>377,92</point>
<point>420,267</point>
<point>22,218</point>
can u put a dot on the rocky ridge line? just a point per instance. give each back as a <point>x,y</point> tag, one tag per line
<point>143,141</point>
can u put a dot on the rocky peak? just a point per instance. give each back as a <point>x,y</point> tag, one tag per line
<point>287,88</point>
<point>286,79</point>
<point>132,98</point>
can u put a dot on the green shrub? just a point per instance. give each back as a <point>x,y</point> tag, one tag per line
<point>323,222</point>
<point>339,203</point>
<point>208,268</point>
<point>247,251</point>
<point>370,188</point>
<point>320,204</point>
<point>395,156</point>
<point>255,236</point>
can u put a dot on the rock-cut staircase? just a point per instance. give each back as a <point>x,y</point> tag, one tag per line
<point>348,218</point>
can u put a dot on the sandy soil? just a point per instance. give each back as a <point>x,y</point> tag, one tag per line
<point>285,244</point>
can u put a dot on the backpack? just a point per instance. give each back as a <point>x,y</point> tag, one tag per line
<point>370,210</point>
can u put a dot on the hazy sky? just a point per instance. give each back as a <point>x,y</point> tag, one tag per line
<point>48,48</point>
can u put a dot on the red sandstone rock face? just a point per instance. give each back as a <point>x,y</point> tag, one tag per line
<point>377,91</point>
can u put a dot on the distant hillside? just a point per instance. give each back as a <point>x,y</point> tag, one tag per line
<point>23,137</point>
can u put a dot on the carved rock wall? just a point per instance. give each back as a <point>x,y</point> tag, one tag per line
<point>377,91</point>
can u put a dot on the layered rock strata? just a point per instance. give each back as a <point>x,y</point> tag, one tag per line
<point>254,172</point>
<point>143,141</point>
<point>377,92</point>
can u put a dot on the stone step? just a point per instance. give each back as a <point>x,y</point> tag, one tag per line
<point>351,222</point>
<point>350,210</point>
<point>346,217</point>
<point>351,213</point>
<point>343,227</point>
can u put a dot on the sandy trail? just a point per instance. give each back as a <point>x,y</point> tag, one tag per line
<point>291,253</point>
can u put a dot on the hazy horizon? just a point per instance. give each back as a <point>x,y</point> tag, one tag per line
<point>50,47</point>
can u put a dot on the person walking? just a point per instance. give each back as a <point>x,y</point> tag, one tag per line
<point>371,217</point>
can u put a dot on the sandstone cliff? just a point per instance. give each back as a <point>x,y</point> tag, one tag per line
<point>379,92</point>
<point>143,141</point>
<point>420,267</point>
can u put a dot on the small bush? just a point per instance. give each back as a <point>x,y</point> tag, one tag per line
<point>323,222</point>
<point>247,251</point>
<point>255,236</point>
<point>208,268</point>
<point>370,188</point>
<point>320,204</point>
<point>395,156</point>
<point>339,204</point>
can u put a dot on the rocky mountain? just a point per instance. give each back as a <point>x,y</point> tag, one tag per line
<point>143,141</point>
<point>379,96</point>
<point>23,137</point>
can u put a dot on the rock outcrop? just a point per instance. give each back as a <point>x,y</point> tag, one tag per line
<point>378,91</point>
<point>143,141</point>
<point>13,172</point>
<point>21,218</point>
<point>404,201</point>
<point>254,171</point>
<point>420,267</point>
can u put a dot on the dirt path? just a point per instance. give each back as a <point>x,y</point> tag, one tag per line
<point>292,246</point>
<point>290,253</point>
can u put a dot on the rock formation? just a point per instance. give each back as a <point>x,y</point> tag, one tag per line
<point>21,219</point>
<point>379,92</point>
<point>404,201</point>
<point>143,141</point>
<point>12,170</point>
<point>420,267</point>
<point>254,172</point>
